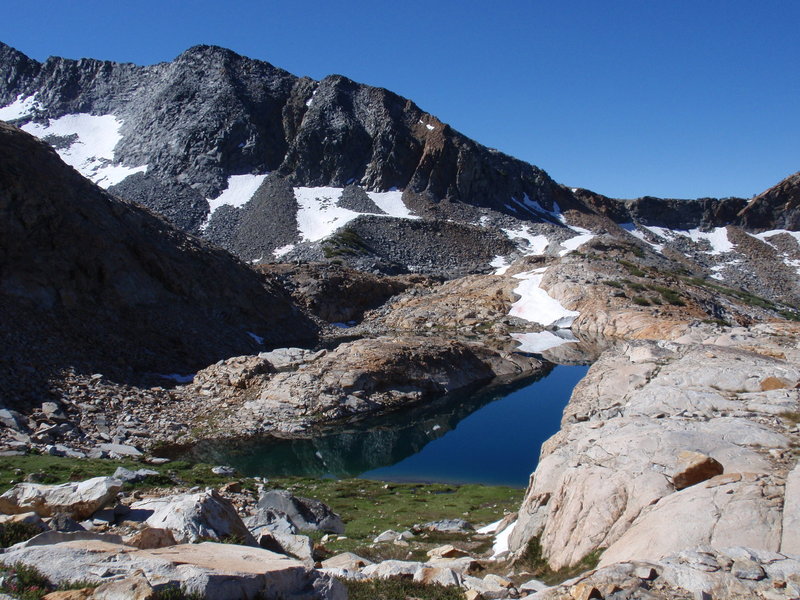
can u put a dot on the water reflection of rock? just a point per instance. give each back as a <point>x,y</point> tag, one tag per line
<point>562,346</point>
<point>583,351</point>
<point>355,448</point>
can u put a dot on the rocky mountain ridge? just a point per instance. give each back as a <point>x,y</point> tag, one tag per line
<point>275,167</point>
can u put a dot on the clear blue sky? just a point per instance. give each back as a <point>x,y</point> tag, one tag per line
<point>673,98</point>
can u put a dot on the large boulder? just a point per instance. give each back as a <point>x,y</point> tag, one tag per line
<point>210,570</point>
<point>636,465</point>
<point>298,546</point>
<point>78,500</point>
<point>304,513</point>
<point>194,517</point>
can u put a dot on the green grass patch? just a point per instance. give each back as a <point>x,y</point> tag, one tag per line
<point>741,295</point>
<point>532,560</point>
<point>367,507</point>
<point>14,533</point>
<point>25,582</point>
<point>400,589</point>
<point>669,295</point>
<point>720,322</point>
<point>344,242</point>
<point>371,507</point>
<point>632,268</point>
<point>640,301</point>
<point>613,284</point>
<point>637,287</point>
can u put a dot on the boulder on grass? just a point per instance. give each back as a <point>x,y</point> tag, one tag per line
<point>77,499</point>
<point>305,514</point>
<point>194,517</point>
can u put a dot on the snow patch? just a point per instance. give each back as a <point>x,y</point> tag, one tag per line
<point>490,528</point>
<point>536,244</point>
<point>500,265</point>
<point>768,234</point>
<point>717,237</point>
<point>21,107</point>
<point>763,236</point>
<point>391,203</point>
<point>536,343</point>
<point>501,540</point>
<point>318,215</point>
<point>283,250</point>
<point>91,153</point>
<point>237,193</point>
<point>572,244</point>
<point>310,100</point>
<point>536,305</point>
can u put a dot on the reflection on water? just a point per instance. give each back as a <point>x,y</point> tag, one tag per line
<point>489,436</point>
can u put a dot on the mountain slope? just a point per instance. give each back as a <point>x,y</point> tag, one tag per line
<point>211,114</point>
<point>274,167</point>
<point>89,280</point>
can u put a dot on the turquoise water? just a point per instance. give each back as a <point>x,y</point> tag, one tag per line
<point>490,436</point>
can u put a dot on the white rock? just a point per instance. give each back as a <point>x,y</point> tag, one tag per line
<point>193,517</point>
<point>219,571</point>
<point>79,499</point>
<point>790,542</point>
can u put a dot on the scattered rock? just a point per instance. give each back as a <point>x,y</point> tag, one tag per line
<point>219,571</point>
<point>446,551</point>
<point>298,546</point>
<point>224,471</point>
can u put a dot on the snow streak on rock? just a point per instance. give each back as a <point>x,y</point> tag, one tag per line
<point>536,305</point>
<point>536,343</point>
<point>21,107</point>
<point>86,142</point>
<point>391,203</point>
<point>238,193</point>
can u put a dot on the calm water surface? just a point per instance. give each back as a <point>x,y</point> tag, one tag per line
<point>490,436</point>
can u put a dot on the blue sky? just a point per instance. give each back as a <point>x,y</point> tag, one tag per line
<point>670,98</point>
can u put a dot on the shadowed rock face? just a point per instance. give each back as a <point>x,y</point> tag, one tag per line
<point>777,208</point>
<point>87,278</point>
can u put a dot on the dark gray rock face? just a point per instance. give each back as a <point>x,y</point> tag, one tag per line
<point>702,213</point>
<point>87,279</point>
<point>211,113</point>
<point>777,208</point>
<point>267,222</point>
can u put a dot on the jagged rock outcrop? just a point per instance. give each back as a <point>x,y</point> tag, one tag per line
<point>357,378</point>
<point>336,293</point>
<point>211,113</point>
<point>87,279</point>
<point>776,208</point>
